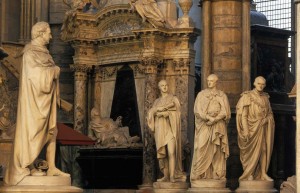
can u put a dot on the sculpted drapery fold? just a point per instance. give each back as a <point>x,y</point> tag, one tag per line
<point>255,125</point>
<point>211,142</point>
<point>36,120</point>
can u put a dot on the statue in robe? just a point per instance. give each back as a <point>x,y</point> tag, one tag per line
<point>149,11</point>
<point>255,125</point>
<point>164,120</point>
<point>110,133</point>
<point>212,114</point>
<point>37,105</point>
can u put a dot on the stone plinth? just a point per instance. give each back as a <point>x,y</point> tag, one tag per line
<point>169,187</point>
<point>5,151</point>
<point>49,184</point>
<point>208,186</point>
<point>256,186</point>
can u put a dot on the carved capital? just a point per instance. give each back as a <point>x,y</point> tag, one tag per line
<point>105,72</point>
<point>80,71</point>
<point>182,66</point>
<point>150,64</point>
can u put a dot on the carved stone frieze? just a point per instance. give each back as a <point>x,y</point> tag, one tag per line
<point>182,66</point>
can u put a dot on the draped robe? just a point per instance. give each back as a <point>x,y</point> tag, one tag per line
<point>166,128</point>
<point>36,114</point>
<point>252,108</point>
<point>211,142</point>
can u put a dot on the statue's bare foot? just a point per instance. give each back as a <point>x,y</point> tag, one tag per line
<point>250,178</point>
<point>266,177</point>
<point>172,179</point>
<point>163,179</point>
<point>57,172</point>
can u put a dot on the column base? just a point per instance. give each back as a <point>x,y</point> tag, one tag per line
<point>169,187</point>
<point>256,186</point>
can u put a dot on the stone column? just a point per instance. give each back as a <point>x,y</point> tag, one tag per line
<point>27,19</point>
<point>297,2</point>
<point>149,152</point>
<point>226,45</point>
<point>80,97</point>
<point>206,64</point>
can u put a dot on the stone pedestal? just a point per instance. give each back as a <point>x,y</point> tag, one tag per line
<point>256,186</point>
<point>208,186</point>
<point>169,187</point>
<point>5,152</point>
<point>49,184</point>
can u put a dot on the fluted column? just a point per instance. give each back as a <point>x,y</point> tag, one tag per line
<point>80,97</point>
<point>149,156</point>
<point>27,19</point>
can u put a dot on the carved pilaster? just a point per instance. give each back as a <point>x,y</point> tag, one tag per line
<point>149,156</point>
<point>80,97</point>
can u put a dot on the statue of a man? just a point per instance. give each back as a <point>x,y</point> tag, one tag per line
<point>212,114</point>
<point>36,116</point>
<point>255,125</point>
<point>164,120</point>
<point>148,10</point>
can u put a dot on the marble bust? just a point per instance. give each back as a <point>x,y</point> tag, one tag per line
<point>212,114</point>
<point>255,125</point>
<point>164,121</point>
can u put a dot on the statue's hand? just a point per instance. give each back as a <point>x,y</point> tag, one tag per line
<point>57,72</point>
<point>264,121</point>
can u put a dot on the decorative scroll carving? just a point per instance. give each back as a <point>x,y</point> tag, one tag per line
<point>182,66</point>
<point>106,72</point>
<point>80,72</point>
<point>151,64</point>
<point>119,27</point>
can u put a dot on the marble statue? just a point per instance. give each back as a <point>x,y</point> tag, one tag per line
<point>212,114</point>
<point>255,125</point>
<point>37,105</point>
<point>110,133</point>
<point>6,126</point>
<point>149,11</point>
<point>164,120</point>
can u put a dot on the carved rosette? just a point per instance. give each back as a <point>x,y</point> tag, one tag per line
<point>182,66</point>
<point>80,106</point>
<point>150,69</point>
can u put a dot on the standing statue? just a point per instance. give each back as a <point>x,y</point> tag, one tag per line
<point>36,116</point>
<point>164,120</point>
<point>212,114</point>
<point>149,10</point>
<point>255,125</point>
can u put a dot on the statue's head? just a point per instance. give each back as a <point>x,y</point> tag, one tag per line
<point>41,31</point>
<point>163,86</point>
<point>212,80</point>
<point>259,83</point>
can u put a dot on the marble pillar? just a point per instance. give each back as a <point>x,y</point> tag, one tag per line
<point>80,97</point>
<point>151,93</point>
<point>226,45</point>
<point>297,3</point>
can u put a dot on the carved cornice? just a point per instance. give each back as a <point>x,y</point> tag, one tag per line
<point>80,68</point>
<point>182,66</point>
